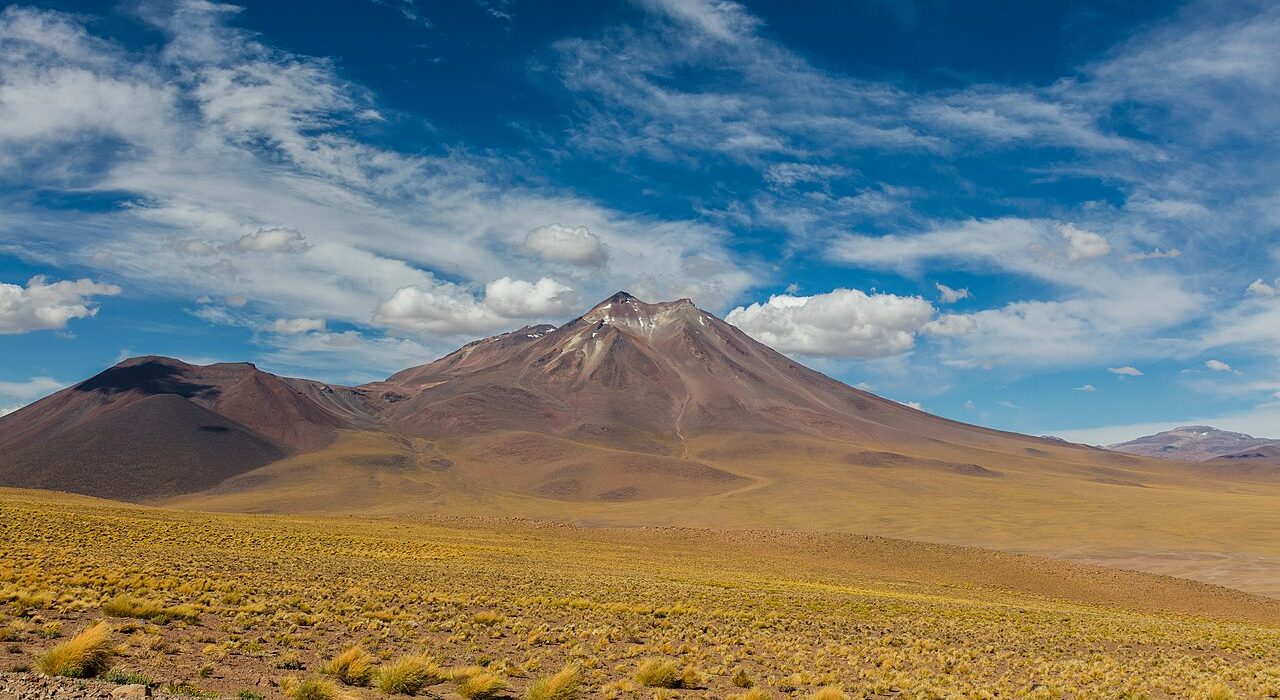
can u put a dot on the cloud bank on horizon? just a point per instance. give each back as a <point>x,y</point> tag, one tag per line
<point>984,235</point>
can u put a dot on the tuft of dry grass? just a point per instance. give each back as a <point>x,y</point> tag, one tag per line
<point>482,686</point>
<point>658,673</point>
<point>564,685</point>
<point>355,667</point>
<point>86,655</point>
<point>830,692</point>
<point>128,606</point>
<point>753,694</point>
<point>408,675</point>
<point>1220,691</point>
<point>311,689</point>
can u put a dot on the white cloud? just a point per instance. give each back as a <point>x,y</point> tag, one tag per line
<point>15,395</point>
<point>840,323</point>
<point>570,244</point>
<point>1258,288</point>
<point>216,138</point>
<point>44,305</point>
<point>969,405</point>
<point>950,325</point>
<point>1125,371</point>
<point>1082,245</point>
<point>1087,388</point>
<point>950,296</point>
<point>275,239</point>
<point>519,299</point>
<point>296,325</point>
<point>1103,305</point>
<point>792,174</point>
<point>1156,254</point>
<point>1219,366</point>
<point>447,309</point>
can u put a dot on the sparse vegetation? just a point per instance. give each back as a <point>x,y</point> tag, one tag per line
<point>637,614</point>
<point>86,655</point>
<point>128,606</point>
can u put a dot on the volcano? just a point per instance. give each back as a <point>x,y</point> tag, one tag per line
<point>634,413</point>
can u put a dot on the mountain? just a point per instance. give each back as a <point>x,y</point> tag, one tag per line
<point>153,426</point>
<point>1194,443</point>
<point>633,414</point>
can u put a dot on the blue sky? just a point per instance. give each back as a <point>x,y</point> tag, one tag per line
<point>1046,217</point>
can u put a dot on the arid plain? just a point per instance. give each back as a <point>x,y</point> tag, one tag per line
<point>205,604</point>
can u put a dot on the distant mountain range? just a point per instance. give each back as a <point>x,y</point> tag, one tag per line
<point>1199,443</point>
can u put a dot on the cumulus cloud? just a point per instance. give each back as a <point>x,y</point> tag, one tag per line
<point>1125,371</point>
<point>1087,388</point>
<point>1219,366</point>
<point>841,323</point>
<point>947,295</point>
<point>576,245</point>
<point>1082,244</point>
<point>291,326</point>
<point>44,305</point>
<point>447,309</point>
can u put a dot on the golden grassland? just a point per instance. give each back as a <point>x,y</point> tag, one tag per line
<point>1183,520</point>
<point>305,607</point>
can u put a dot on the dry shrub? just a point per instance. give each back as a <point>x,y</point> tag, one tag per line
<point>658,673</point>
<point>408,675</point>
<point>311,689</point>
<point>352,667</point>
<point>482,686</point>
<point>86,655</point>
<point>564,685</point>
<point>830,692</point>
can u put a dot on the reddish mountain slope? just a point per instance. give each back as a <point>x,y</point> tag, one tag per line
<point>152,426</point>
<point>633,375</point>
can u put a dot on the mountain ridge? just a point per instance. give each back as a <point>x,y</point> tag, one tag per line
<point>1200,443</point>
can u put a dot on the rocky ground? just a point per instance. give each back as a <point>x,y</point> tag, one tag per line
<point>35,686</point>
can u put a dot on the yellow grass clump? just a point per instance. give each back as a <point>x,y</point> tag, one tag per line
<point>408,675</point>
<point>659,673</point>
<point>86,655</point>
<point>482,686</point>
<point>128,606</point>
<point>564,685</point>
<point>354,666</point>
<point>830,692</point>
<point>311,689</point>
